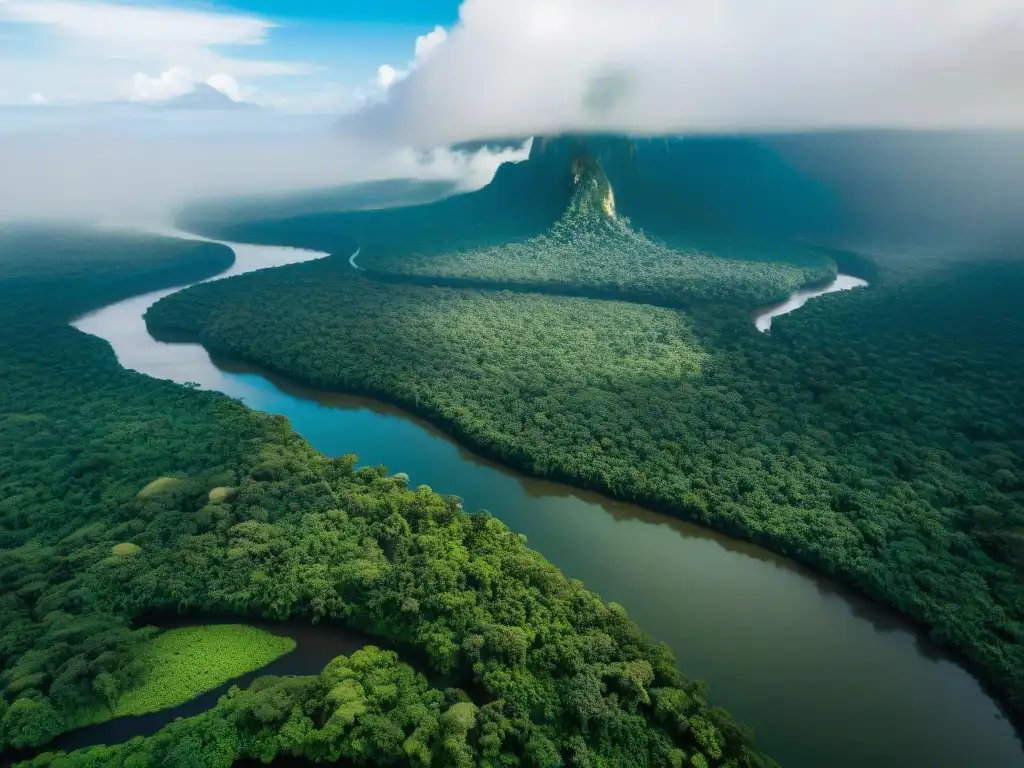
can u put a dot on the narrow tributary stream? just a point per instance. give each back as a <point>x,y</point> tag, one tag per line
<point>763,318</point>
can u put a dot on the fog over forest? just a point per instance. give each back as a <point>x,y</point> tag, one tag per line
<point>465,382</point>
<point>126,163</point>
<point>565,66</point>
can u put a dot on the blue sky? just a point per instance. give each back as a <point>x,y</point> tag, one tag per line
<point>312,55</point>
<point>352,36</point>
<point>397,12</point>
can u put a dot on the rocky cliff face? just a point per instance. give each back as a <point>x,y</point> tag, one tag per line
<point>916,186</point>
<point>673,186</point>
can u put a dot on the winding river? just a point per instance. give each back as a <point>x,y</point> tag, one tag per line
<point>825,679</point>
<point>763,318</point>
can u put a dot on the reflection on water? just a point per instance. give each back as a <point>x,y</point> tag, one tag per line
<point>533,488</point>
<point>315,646</point>
<point>763,318</point>
<point>824,679</point>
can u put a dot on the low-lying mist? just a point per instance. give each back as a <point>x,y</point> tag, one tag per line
<point>140,166</point>
<point>122,163</point>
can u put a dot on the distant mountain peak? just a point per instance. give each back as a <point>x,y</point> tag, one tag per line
<point>205,96</point>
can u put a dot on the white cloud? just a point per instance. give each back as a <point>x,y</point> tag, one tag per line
<point>386,76</point>
<point>168,84</point>
<point>37,98</point>
<point>138,25</point>
<point>423,48</point>
<point>428,43</point>
<point>86,50</point>
<point>140,165</point>
<point>712,65</point>
<point>471,170</point>
<point>227,85</point>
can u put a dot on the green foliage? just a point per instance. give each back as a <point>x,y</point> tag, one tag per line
<point>125,549</point>
<point>78,439</point>
<point>506,347</point>
<point>875,435</point>
<point>30,721</point>
<point>160,485</point>
<point>62,273</point>
<point>593,250</point>
<point>399,720</point>
<point>183,663</point>
<point>302,535</point>
<point>397,723</point>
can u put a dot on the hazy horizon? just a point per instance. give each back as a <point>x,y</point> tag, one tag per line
<point>365,94</point>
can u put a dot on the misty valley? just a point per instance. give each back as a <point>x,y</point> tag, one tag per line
<point>650,452</point>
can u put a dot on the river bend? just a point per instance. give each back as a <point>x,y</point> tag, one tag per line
<point>825,679</point>
<point>763,318</point>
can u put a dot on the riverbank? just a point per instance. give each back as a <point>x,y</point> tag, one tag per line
<point>315,646</point>
<point>301,534</point>
<point>750,543</point>
<point>763,317</point>
<point>842,648</point>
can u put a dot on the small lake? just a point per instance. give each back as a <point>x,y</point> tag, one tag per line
<point>825,679</point>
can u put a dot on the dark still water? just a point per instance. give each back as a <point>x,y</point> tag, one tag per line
<point>315,646</point>
<point>824,679</point>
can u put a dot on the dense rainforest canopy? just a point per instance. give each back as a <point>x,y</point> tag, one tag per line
<point>876,435</point>
<point>122,494</point>
<point>593,250</point>
<point>536,199</point>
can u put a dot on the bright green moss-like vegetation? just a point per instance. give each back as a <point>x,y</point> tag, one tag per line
<point>159,485</point>
<point>125,549</point>
<point>183,663</point>
<point>554,674</point>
